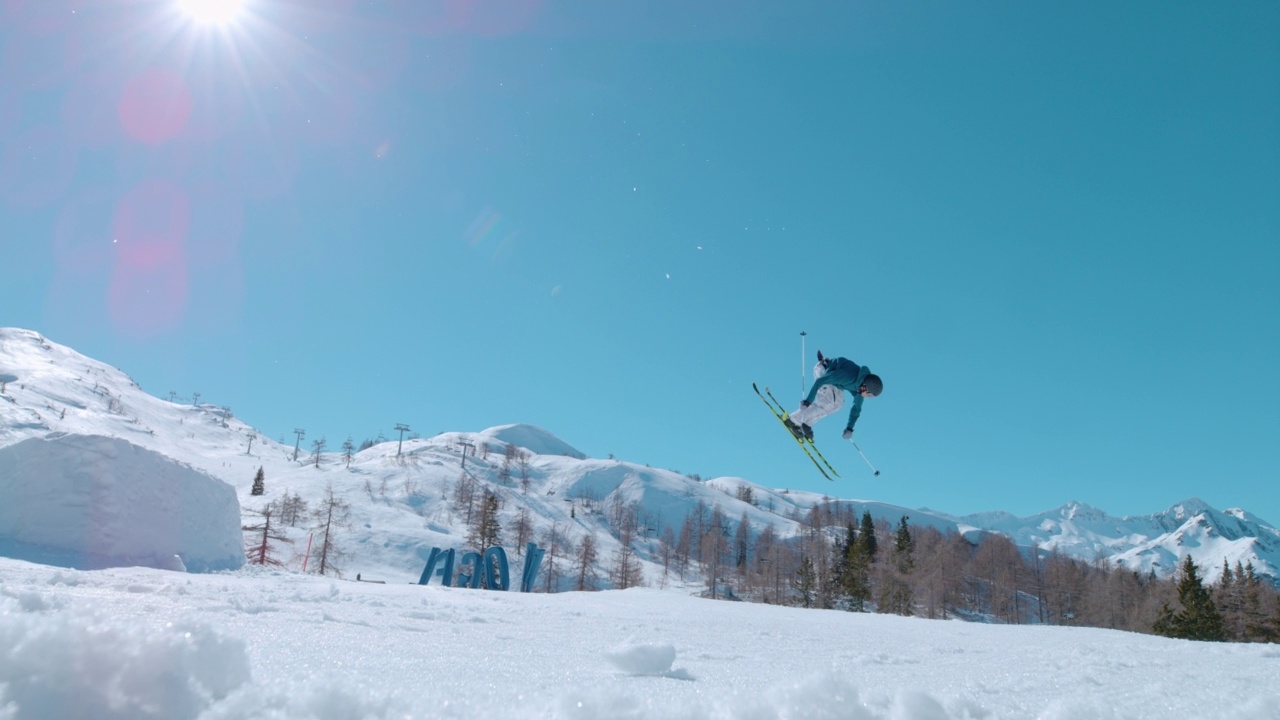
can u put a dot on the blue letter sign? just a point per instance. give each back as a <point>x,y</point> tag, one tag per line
<point>490,568</point>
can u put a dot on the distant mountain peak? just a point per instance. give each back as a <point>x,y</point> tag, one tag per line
<point>1075,509</point>
<point>1189,508</point>
<point>534,439</point>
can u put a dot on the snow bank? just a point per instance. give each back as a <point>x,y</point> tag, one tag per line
<point>88,501</point>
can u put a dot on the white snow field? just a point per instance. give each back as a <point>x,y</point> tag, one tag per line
<point>149,643</point>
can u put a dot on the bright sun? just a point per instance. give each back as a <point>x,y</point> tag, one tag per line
<point>212,12</point>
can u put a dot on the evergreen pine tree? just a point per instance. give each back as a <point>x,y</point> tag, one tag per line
<point>491,530</point>
<point>904,547</point>
<point>896,594</point>
<point>867,536</point>
<point>259,483</point>
<point>840,558</point>
<point>856,585</point>
<point>1257,626</point>
<point>1229,598</point>
<point>742,543</point>
<point>485,530</point>
<point>853,578</point>
<point>1199,618</point>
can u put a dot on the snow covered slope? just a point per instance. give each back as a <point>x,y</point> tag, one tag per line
<point>534,439</point>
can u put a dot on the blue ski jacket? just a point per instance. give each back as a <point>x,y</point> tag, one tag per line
<point>846,375</point>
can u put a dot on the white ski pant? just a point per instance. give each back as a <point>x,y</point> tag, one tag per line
<point>828,400</point>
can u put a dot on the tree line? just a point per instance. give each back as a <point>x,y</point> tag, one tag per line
<point>838,560</point>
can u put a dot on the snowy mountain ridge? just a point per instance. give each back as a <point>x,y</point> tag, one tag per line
<point>1155,542</point>
<point>399,492</point>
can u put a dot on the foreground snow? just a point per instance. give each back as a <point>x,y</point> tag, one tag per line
<point>144,643</point>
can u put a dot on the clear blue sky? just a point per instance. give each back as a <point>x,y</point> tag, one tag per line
<point>1052,228</point>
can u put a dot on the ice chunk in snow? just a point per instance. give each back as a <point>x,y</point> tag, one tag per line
<point>641,659</point>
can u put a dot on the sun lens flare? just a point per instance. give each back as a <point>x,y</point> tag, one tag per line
<point>212,12</point>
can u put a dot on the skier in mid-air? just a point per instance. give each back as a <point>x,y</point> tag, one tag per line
<point>832,376</point>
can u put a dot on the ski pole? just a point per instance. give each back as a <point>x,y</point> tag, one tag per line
<point>802,334</point>
<point>864,457</point>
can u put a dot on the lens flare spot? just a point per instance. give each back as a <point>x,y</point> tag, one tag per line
<point>146,301</point>
<point>150,222</point>
<point>149,284</point>
<point>154,107</point>
<point>483,226</point>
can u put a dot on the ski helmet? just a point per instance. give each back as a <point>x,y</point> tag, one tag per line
<point>873,384</point>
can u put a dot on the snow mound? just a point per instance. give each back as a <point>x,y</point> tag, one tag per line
<point>534,439</point>
<point>74,664</point>
<point>640,659</point>
<point>88,501</point>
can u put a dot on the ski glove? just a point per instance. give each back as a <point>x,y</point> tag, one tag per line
<point>848,433</point>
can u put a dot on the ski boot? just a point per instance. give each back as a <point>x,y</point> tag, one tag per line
<point>796,430</point>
